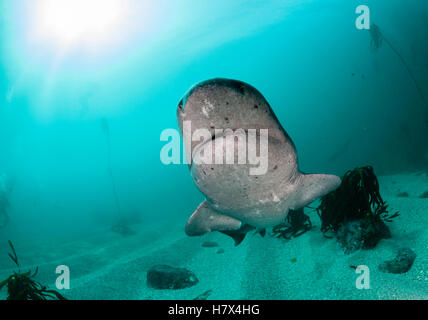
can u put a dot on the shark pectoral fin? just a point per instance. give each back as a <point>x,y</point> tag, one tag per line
<point>239,235</point>
<point>311,187</point>
<point>236,235</point>
<point>206,219</point>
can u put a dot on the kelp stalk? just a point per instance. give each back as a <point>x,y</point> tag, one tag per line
<point>377,39</point>
<point>106,129</point>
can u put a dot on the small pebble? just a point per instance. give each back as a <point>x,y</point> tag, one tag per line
<point>209,244</point>
<point>424,195</point>
<point>403,195</point>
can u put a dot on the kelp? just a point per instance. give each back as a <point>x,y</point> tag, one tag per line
<point>106,129</point>
<point>121,228</point>
<point>296,224</point>
<point>377,39</point>
<point>22,286</point>
<point>357,198</point>
<point>13,255</point>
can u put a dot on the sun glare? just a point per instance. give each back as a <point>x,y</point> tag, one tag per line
<point>76,21</point>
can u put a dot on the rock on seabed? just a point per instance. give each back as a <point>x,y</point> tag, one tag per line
<point>167,277</point>
<point>401,263</point>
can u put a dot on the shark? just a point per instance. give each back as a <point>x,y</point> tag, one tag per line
<point>237,201</point>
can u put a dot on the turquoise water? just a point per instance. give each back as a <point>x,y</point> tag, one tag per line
<point>81,113</point>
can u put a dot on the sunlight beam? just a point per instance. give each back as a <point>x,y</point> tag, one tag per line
<point>71,22</point>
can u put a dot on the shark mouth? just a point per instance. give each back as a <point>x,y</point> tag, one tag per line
<point>212,141</point>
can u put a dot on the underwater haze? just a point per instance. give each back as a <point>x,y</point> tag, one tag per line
<point>87,90</point>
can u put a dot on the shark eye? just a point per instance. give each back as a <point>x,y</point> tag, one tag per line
<point>180,105</point>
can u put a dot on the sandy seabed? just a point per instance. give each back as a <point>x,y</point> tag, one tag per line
<point>109,266</point>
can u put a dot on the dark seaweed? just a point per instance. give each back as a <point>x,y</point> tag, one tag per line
<point>357,198</point>
<point>21,286</point>
<point>296,224</point>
